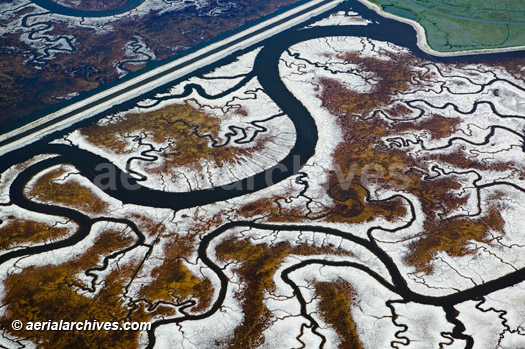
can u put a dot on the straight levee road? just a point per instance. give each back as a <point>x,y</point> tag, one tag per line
<point>148,81</point>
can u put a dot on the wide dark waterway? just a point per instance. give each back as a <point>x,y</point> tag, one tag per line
<point>72,12</point>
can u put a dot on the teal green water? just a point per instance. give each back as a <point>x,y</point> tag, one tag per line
<point>400,12</point>
<point>457,25</point>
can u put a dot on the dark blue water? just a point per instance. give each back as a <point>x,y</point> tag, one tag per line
<point>67,11</point>
<point>150,66</point>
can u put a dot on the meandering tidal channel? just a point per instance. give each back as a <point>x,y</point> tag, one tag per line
<point>57,8</point>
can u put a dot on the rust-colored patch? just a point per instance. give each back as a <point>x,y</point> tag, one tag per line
<point>362,160</point>
<point>352,205</point>
<point>452,236</point>
<point>258,266</point>
<point>335,301</point>
<point>182,125</point>
<point>21,90</point>
<point>437,126</point>
<point>15,232</point>
<point>69,193</point>
<point>272,208</point>
<point>51,293</point>
<point>394,75</point>
<point>174,283</point>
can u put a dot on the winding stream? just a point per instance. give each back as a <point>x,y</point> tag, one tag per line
<point>72,12</point>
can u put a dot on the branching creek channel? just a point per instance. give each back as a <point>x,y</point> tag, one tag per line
<point>266,71</point>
